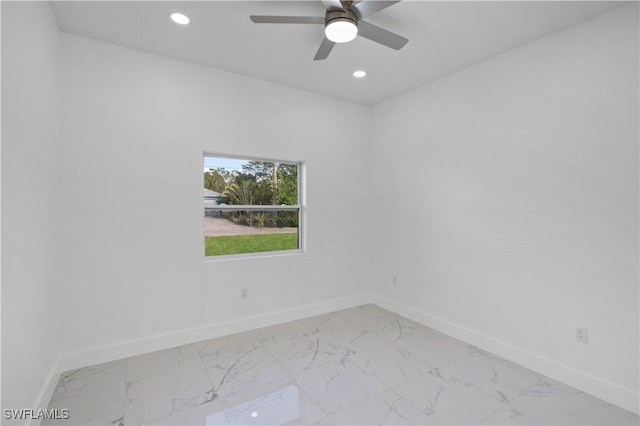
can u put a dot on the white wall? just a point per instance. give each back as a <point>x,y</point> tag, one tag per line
<point>136,126</point>
<point>30,202</point>
<point>514,187</point>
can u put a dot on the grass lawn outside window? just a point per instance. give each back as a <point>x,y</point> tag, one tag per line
<point>239,244</point>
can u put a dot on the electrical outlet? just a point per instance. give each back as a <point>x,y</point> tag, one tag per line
<point>582,335</point>
<point>244,293</point>
<point>394,280</point>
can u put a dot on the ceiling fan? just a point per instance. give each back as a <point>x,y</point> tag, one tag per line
<point>343,21</point>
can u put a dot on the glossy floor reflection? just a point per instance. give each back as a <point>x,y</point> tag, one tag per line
<point>361,366</point>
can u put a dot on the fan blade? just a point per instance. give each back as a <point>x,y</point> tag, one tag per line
<point>332,4</point>
<point>324,49</point>
<point>262,19</point>
<point>369,7</point>
<point>380,35</point>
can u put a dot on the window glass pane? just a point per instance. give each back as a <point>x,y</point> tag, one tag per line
<point>251,182</point>
<point>236,231</point>
<point>232,182</point>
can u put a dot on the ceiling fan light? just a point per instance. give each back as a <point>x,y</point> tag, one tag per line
<point>341,30</point>
<point>179,18</point>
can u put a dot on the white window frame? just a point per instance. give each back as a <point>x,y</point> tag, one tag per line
<point>299,207</point>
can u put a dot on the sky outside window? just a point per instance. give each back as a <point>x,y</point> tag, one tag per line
<point>230,164</point>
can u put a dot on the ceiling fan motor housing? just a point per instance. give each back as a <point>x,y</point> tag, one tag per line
<point>340,15</point>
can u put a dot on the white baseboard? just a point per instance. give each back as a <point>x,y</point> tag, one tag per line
<point>585,382</point>
<point>129,348</point>
<point>42,401</point>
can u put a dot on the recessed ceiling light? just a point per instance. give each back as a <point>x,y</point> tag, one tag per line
<point>359,74</point>
<point>179,18</point>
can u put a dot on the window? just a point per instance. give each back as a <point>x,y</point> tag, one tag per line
<point>251,206</point>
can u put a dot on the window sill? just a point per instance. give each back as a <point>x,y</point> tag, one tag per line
<point>246,256</point>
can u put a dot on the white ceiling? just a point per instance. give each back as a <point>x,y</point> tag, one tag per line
<point>444,37</point>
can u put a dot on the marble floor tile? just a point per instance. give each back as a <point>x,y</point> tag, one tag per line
<point>357,366</point>
<point>432,346</point>
<point>311,323</point>
<point>93,395</point>
<point>327,421</point>
<point>187,411</point>
<point>386,408</point>
<point>335,385</point>
<point>237,373</point>
<point>281,333</point>
<point>509,416</point>
<point>552,403</point>
<point>90,379</point>
<point>161,362</point>
<point>96,407</point>
<point>184,382</point>
<point>340,330</point>
<point>228,346</point>
<point>366,341</point>
<point>488,373</point>
<point>370,317</point>
<point>281,402</point>
<point>209,413</point>
<point>448,402</point>
<point>307,352</point>
<point>391,365</point>
<point>167,394</point>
